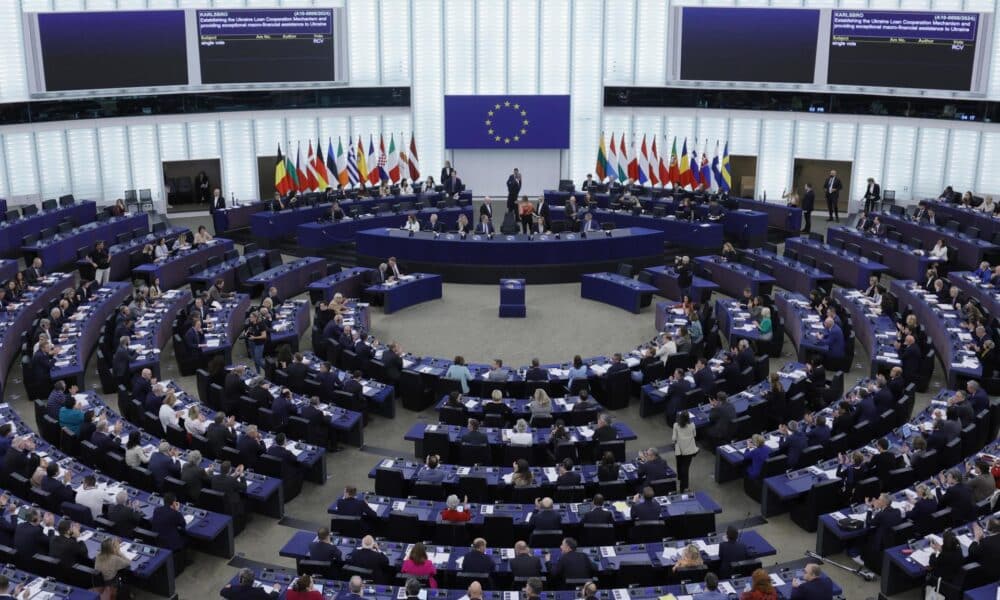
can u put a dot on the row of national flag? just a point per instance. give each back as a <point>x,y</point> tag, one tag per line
<point>646,166</point>
<point>353,166</point>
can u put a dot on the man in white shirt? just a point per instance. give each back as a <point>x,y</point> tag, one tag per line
<point>91,496</point>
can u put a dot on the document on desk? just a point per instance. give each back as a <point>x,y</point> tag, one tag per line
<point>709,549</point>
<point>670,553</point>
<point>550,473</point>
<point>486,509</point>
<point>923,556</point>
<point>776,580</point>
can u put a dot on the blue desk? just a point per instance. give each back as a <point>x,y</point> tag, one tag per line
<point>970,251</point>
<point>12,232</point>
<point>291,278</point>
<point>749,226</point>
<point>222,326</point>
<point>174,270</point>
<point>900,572</point>
<point>421,287</point>
<point>732,277</point>
<point>237,217</point>
<point>694,236</point>
<point>226,271</point>
<point>803,324</point>
<point>18,317</point>
<point>8,269</point>
<point>987,592</point>
<point>735,322</point>
<point>80,333</point>
<point>624,292</point>
<point>581,436</point>
<point>670,317</point>
<point>512,298</point>
<point>280,579</point>
<point>876,332</point>
<point>987,294</point>
<point>942,326</point>
<point>61,249</point>
<point>779,216</point>
<point>44,585</point>
<point>946,211</point>
<point>665,279</point>
<point>477,250</point>
<point>849,269</point>
<point>153,329</point>
<point>324,234</point>
<point>380,395</point>
<point>791,274</point>
<point>898,256</point>
<point>121,254</point>
<point>290,320</point>
<point>349,283</point>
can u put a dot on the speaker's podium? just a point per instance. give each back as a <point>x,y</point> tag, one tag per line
<point>512,298</point>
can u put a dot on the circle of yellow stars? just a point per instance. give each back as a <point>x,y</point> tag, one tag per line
<point>507,105</point>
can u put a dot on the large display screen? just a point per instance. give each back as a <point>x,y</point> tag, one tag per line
<point>748,44</point>
<point>256,46</point>
<point>903,49</point>
<point>119,49</point>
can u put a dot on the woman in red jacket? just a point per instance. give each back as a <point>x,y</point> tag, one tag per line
<point>302,589</point>
<point>456,512</point>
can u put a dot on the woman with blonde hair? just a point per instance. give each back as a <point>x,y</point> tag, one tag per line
<point>690,557</point>
<point>109,562</point>
<point>195,422</point>
<point>541,404</point>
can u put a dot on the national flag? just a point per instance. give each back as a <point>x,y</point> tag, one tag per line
<point>321,170</point>
<point>362,163</point>
<point>642,167</point>
<point>622,160</point>
<point>336,164</point>
<point>633,165</point>
<point>612,168</point>
<point>311,181</point>
<point>392,160</point>
<point>602,160</point>
<point>695,173</point>
<point>727,176</point>
<point>413,163</point>
<point>383,160</point>
<point>654,160</point>
<point>282,182</point>
<point>675,168</point>
<point>404,168</point>
<point>685,167</point>
<point>293,175</point>
<point>716,174</point>
<point>372,162</point>
<point>351,166</point>
<point>300,174</point>
<point>706,171</point>
<point>662,171</point>
<point>317,168</point>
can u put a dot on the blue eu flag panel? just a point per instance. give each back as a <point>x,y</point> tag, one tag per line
<point>506,121</point>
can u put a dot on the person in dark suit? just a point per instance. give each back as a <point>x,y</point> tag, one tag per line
<point>567,476</point>
<point>793,445</point>
<point>572,564</point>
<point>41,363</point>
<point>244,589</point>
<point>142,384</point>
<point>454,185</point>
<point>161,464</point>
<point>818,432</point>
<point>232,388</point>
<point>882,463</point>
<point>66,546</point>
<point>349,505</point>
<point>513,190</point>
<point>218,200</point>
<point>808,205</point>
<point>121,360</point>
<point>33,273</point>
<point>261,395</point>
<point>193,339</point>
<point>29,537</point>
<point>486,209</point>
<point>484,227</point>
<point>922,510</point>
<point>605,431</point>
<point>10,593</point>
<point>843,419</point>
<point>368,556</point>
<point>646,510</point>
<point>194,476</point>
<point>911,359</point>
<point>524,563</point>
<point>476,560</point>
<point>651,466</point>
<point>221,432</point>
<point>881,518</point>
<point>598,515</point>
<point>233,485</point>
<point>831,188</point>
<point>946,565</point>
<point>814,586</point>
<point>297,370</point>
<point>544,517</point>
<point>393,361</point>
<point>866,409</point>
<point>125,517</point>
<point>281,406</point>
<point>473,436</point>
<point>104,439</point>
<point>986,548</point>
<point>433,224</point>
<point>757,454</point>
<point>883,396</point>
<point>168,522</point>
<point>677,391</point>
<point>21,458</point>
<point>58,487</point>
<point>250,446</point>
<point>721,428</point>
<point>834,337</point>
<point>955,494</point>
<point>536,373</point>
<point>896,383</point>
<point>730,551</point>
<point>703,377</point>
<point>873,193</point>
<point>322,549</point>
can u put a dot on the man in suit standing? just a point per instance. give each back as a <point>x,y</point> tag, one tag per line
<point>476,560</point>
<point>454,185</point>
<point>881,518</point>
<point>545,518</point>
<point>832,187</point>
<point>218,200</point>
<point>194,476</point>
<point>572,564</point>
<point>125,518</point>
<point>168,522</point>
<point>792,446</point>
<point>232,484</point>
<point>598,515</point>
<point>911,359</point>
<point>446,173</point>
<point>720,418</point>
<point>33,273</point>
<point>873,193</point>
<point>121,360</point>
<point>232,388</point>
<point>393,361</point>
<point>250,446</point>
<point>730,551</point>
<point>66,546</point>
<point>834,339</point>
<point>487,208</point>
<point>513,190</point>
<point>986,548</point>
<point>525,564</point>
<point>808,204</point>
<point>815,586</point>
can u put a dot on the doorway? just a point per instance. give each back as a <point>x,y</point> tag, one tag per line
<point>180,179</point>
<point>744,175</point>
<point>265,176</point>
<point>815,172</point>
